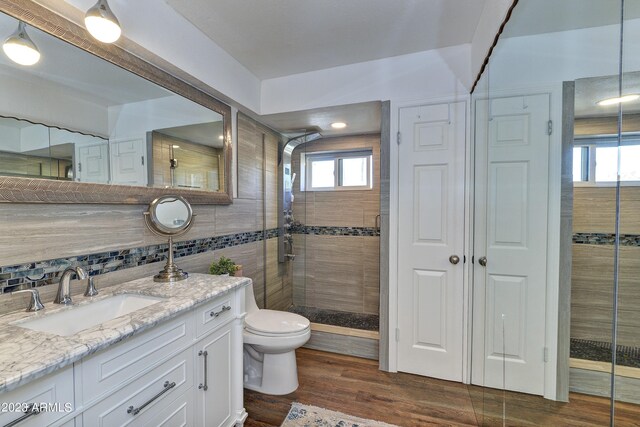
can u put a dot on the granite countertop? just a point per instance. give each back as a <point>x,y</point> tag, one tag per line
<point>26,354</point>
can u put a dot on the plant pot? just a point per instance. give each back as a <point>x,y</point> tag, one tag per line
<point>238,272</point>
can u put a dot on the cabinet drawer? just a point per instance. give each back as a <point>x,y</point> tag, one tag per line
<point>214,314</point>
<point>146,396</point>
<point>107,370</point>
<point>55,389</point>
<point>180,412</point>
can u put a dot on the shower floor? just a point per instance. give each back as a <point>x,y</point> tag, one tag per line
<point>601,352</point>
<point>367,322</point>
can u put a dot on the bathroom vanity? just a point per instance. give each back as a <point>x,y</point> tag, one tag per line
<point>173,358</point>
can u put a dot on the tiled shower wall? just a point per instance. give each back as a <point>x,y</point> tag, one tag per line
<point>259,149</point>
<point>337,252</point>
<point>592,271</point>
<point>39,232</point>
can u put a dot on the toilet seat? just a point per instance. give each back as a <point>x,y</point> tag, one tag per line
<point>276,323</point>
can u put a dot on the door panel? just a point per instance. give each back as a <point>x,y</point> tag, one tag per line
<point>92,163</point>
<point>507,305</point>
<point>128,162</point>
<point>430,325</point>
<point>511,193</point>
<point>508,204</point>
<point>430,204</point>
<point>431,217</point>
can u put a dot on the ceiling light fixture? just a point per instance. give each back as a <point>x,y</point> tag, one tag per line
<point>20,48</point>
<point>221,137</point>
<point>102,23</point>
<point>618,100</point>
<point>338,125</point>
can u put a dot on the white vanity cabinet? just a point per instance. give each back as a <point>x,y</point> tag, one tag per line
<point>186,371</point>
<point>55,388</point>
<point>218,366</point>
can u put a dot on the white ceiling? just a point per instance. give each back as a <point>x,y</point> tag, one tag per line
<point>275,38</point>
<point>360,118</point>
<point>549,16</point>
<point>591,90</point>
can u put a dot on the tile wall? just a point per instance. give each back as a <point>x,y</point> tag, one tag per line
<point>592,272</point>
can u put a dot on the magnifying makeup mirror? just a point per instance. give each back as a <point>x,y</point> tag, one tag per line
<point>169,216</point>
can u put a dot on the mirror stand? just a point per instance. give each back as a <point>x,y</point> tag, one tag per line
<point>171,272</point>
<point>169,216</point>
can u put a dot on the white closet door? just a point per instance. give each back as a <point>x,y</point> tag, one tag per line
<point>431,231</point>
<point>128,162</point>
<point>92,163</point>
<point>511,194</point>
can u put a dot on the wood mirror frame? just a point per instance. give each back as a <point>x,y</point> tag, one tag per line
<point>36,190</point>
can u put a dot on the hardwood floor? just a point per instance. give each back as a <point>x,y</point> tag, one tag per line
<point>355,386</point>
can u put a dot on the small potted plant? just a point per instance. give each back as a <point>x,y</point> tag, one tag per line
<point>225,267</point>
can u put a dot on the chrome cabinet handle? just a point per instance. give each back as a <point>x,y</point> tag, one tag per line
<point>454,259</point>
<point>204,386</point>
<point>30,412</point>
<point>135,411</point>
<point>483,261</point>
<point>222,310</point>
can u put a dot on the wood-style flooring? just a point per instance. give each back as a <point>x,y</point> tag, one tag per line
<point>355,386</point>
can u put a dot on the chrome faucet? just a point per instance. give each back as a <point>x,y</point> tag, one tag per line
<point>35,303</point>
<point>63,296</point>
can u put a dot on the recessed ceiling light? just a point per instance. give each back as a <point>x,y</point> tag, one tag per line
<point>175,146</point>
<point>102,23</point>
<point>20,48</point>
<point>338,125</point>
<point>221,137</point>
<point>619,100</point>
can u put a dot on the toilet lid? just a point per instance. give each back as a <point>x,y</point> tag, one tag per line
<point>275,322</point>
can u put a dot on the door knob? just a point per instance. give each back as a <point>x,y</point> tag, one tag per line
<point>454,259</point>
<point>483,261</point>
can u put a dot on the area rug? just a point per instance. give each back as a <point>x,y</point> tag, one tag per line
<point>311,416</point>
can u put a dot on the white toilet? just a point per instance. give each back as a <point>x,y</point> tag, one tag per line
<point>270,342</point>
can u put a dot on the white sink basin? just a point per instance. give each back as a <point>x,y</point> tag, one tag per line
<point>76,319</point>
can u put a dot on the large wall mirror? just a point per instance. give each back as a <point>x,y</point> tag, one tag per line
<point>81,121</point>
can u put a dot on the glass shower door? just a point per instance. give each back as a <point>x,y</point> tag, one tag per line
<point>626,357</point>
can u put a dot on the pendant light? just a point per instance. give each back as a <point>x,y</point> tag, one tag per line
<point>20,48</point>
<point>102,23</point>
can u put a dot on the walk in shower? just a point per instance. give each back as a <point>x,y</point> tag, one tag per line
<point>329,230</point>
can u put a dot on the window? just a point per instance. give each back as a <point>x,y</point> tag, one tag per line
<point>580,164</point>
<point>595,160</point>
<point>337,170</point>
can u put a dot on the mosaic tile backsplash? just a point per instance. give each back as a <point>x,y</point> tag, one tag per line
<point>46,272</point>
<point>334,231</point>
<point>606,239</point>
<point>41,273</point>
